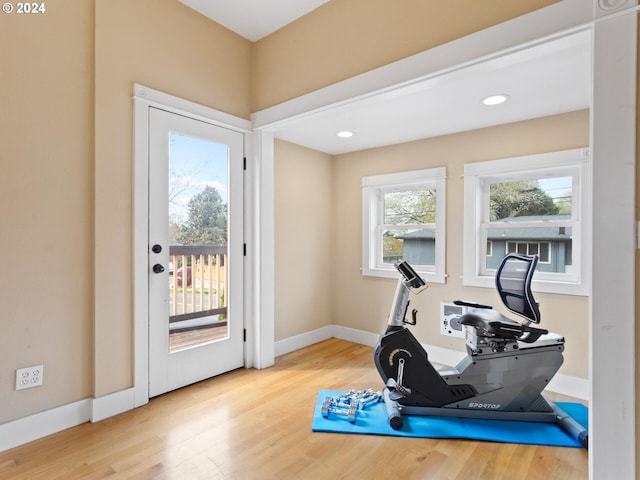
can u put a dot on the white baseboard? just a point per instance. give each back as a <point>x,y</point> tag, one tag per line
<point>112,404</point>
<point>303,340</point>
<point>27,429</point>
<point>575,387</point>
<point>330,331</point>
<point>356,336</point>
<point>563,384</point>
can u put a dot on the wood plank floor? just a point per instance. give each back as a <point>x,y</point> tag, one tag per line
<point>251,424</point>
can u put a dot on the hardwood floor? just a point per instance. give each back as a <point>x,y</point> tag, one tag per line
<point>251,424</point>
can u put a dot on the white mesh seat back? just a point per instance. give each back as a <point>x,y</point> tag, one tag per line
<point>513,281</point>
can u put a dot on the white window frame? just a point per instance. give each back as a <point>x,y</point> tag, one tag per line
<point>477,179</point>
<point>372,218</point>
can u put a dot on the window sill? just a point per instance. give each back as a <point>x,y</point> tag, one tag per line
<point>537,286</point>
<point>429,277</point>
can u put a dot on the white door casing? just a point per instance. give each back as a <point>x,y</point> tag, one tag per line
<point>144,99</point>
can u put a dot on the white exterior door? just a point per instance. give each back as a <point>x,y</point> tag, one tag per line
<point>195,261</point>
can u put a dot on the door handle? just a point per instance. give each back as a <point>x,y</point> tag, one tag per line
<point>156,248</point>
<point>157,268</point>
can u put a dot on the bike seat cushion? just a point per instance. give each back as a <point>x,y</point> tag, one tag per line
<point>490,323</point>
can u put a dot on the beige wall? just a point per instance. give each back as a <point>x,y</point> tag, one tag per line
<point>46,157</point>
<point>169,47</point>
<point>364,302</point>
<point>344,38</point>
<point>60,181</point>
<point>304,240</point>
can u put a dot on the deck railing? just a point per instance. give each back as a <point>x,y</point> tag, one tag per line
<point>198,282</point>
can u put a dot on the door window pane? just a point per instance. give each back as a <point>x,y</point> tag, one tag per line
<point>198,226</point>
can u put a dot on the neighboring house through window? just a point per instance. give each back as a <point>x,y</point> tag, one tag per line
<point>534,205</point>
<point>403,217</point>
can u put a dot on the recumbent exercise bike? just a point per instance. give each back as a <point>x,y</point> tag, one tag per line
<point>507,366</point>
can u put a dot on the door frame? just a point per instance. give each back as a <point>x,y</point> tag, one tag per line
<point>259,329</point>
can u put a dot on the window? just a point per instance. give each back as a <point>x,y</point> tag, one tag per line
<point>403,217</point>
<point>534,205</point>
<point>541,249</point>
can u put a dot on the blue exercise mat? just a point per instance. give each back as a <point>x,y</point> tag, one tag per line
<point>372,420</point>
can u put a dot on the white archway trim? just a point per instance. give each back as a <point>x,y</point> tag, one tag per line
<point>260,315</point>
<point>560,19</point>
<point>612,449</point>
<point>614,24</point>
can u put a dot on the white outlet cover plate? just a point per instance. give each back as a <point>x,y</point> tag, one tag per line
<point>449,314</point>
<point>29,377</point>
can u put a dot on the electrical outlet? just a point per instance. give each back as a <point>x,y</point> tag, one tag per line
<point>29,377</point>
<point>449,320</point>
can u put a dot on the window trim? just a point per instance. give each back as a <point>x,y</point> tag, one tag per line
<point>372,220</point>
<point>578,282</point>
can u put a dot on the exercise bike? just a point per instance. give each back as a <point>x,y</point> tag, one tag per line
<point>508,363</point>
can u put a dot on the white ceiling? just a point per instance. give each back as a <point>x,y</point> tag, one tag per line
<point>254,19</point>
<point>545,79</point>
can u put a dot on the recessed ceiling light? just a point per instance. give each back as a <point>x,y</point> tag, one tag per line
<point>495,99</point>
<point>345,134</point>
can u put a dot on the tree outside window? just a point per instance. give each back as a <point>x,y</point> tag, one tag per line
<point>403,217</point>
